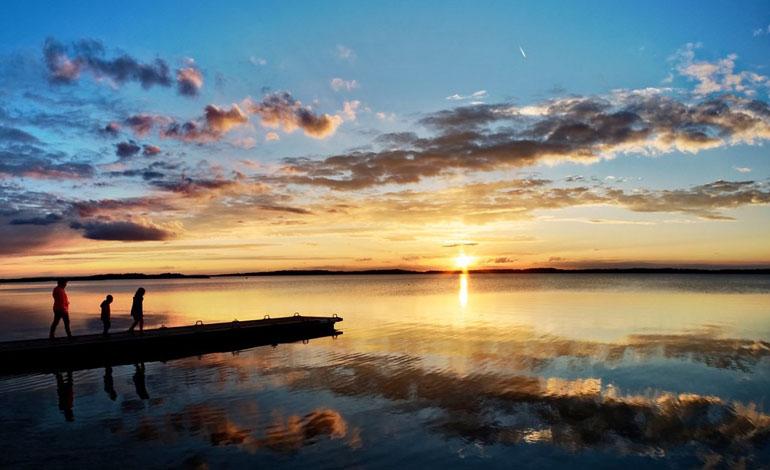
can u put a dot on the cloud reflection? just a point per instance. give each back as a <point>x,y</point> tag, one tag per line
<point>576,415</point>
<point>284,435</point>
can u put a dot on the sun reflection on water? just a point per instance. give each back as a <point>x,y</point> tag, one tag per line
<point>463,293</point>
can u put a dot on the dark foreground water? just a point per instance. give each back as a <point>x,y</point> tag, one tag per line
<point>492,371</point>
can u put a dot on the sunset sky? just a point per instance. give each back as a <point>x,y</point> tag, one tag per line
<point>235,136</point>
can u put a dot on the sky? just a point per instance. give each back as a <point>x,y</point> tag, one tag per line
<point>240,136</point>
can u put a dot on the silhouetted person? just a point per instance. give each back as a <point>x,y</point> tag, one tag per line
<point>105,306</point>
<point>109,385</point>
<point>137,311</point>
<point>64,390</point>
<point>61,308</point>
<point>139,383</point>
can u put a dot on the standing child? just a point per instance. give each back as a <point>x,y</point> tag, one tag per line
<point>105,305</point>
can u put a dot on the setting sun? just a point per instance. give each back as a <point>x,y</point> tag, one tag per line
<point>463,261</point>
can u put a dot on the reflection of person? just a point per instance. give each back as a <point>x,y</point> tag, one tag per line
<point>139,383</point>
<point>64,390</point>
<point>109,385</point>
<point>61,308</point>
<point>105,306</point>
<point>137,310</point>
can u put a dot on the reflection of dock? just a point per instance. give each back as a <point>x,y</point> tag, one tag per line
<point>162,344</point>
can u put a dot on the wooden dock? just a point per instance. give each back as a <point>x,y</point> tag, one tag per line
<point>161,344</point>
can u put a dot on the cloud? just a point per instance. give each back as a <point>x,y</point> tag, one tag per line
<point>345,53</point>
<point>127,149</point>
<point>142,124</point>
<point>65,64</point>
<point>21,159</point>
<point>216,122</point>
<point>281,110</point>
<point>338,84</point>
<point>150,150</point>
<point>742,169</point>
<point>518,199</point>
<point>761,31</point>
<point>349,109</point>
<point>272,136</point>
<point>277,110</point>
<point>47,219</point>
<point>189,81</point>
<point>121,231</point>
<point>194,186</point>
<point>476,95</point>
<point>716,77</point>
<point>488,137</point>
<point>112,129</point>
<point>10,134</point>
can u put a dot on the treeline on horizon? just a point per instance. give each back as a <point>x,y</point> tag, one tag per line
<point>326,272</point>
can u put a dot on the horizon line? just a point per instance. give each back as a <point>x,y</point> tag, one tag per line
<point>392,271</point>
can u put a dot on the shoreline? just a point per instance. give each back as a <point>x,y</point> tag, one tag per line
<point>391,272</point>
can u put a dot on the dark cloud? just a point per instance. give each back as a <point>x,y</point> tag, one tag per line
<point>31,161</point>
<point>194,186</point>
<point>127,149</point>
<point>142,124</point>
<point>48,219</point>
<point>29,220</point>
<point>491,137</point>
<point>121,231</point>
<point>66,63</point>
<point>112,129</point>
<point>10,134</point>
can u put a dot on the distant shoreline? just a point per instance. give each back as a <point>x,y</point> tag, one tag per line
<point>370,272</point>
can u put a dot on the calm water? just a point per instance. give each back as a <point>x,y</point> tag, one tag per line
<point>481,371</point>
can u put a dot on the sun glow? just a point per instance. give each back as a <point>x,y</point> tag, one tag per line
<point>463,261</point>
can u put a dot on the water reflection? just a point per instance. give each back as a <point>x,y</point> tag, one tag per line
<point>215,425</point>
<point>139,381</point>
<point>463,294</point>
<point>109,384</point>
<point>536,371</point>
<point>574,414</point>
<point>66,394</point>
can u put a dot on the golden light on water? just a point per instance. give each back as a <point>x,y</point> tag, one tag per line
<point>463,293</point>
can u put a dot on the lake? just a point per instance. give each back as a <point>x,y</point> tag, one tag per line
<point>458,371</point>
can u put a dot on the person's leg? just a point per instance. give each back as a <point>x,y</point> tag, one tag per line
<point>66,320</point>
<point>141,324</point>
<point>54,324</point>
<point>131,328</point>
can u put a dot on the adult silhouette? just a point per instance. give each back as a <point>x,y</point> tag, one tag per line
<point>137,310</point>
<point>61,308</point>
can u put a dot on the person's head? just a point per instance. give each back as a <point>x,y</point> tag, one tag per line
<point>61,283</point>
<point>109,299</point>
<point>139,292</point>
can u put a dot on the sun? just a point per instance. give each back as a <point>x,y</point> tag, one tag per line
<point>463,261</point>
